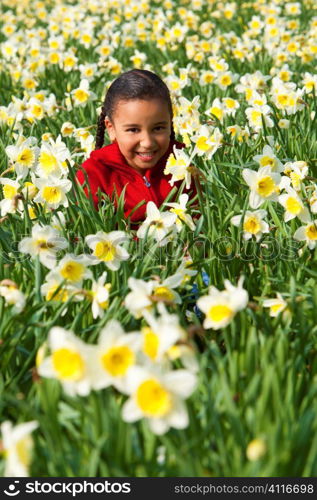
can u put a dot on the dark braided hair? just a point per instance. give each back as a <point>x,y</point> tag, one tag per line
<point>133,84</point>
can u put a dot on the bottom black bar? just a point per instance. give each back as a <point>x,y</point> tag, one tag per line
<point>158,488</point>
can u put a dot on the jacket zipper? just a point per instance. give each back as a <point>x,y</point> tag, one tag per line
<point>146,182</point>
<point>151,194</point>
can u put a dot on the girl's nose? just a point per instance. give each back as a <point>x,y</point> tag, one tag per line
<point>146,140</point>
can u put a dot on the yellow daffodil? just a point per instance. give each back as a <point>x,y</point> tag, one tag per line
<point>264,185</point>
<point>71,362</point>
<point>253,224</point>
<point>107,247</point>
<point>220,307</point>
<point>17,445</point>
<point>158,397</point>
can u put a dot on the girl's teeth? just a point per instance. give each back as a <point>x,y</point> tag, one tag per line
<point>146,155</point>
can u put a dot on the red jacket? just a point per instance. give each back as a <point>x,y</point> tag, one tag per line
<point>108,170</point>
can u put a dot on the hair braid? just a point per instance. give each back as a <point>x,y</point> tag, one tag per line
<point>100,134</point>
<point>173,137</point>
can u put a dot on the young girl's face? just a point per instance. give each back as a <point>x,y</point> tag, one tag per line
<point>142,129</point>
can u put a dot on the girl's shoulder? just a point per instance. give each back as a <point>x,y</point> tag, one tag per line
<point>104,153</point>
<point>108,163</point>
<point>108,155</point>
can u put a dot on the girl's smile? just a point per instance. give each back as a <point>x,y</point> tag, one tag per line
<point>142,129</point>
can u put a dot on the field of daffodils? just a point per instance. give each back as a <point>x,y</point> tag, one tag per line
<point>187,346</point>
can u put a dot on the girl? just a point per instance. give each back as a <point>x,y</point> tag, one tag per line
<point>137,113</point>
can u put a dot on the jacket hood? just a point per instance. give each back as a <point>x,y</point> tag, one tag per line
<point>112,157</point>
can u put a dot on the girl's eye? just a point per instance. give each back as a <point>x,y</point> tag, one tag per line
<point>135,130</point>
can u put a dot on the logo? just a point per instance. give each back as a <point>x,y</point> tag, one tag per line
<point>12,490</point>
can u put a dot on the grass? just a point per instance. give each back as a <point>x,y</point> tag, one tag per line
<point>257,376</point>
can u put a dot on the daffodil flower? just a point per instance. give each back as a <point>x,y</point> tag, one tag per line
<point>71,362</point>
<point>67,129</point>
<point>220,307</point>
<point>268,158</point>
<point>185,270</point>
<point>158,397</point>
<point>286,97</point>
<point>216,110</point>
<point>182,216</point>
<point>264,185</point>
<point>207,141</point>
<point>82,94</point>
<point>73,268</point>
<point>107,247</point>
<point>157,224</point>
<point>100,296</point>
<point>140,296</point>
<point>178,165</point>
<point>189,107</point>
<point>116,354</point>
<point>12,295</point>
<point>45,242</point>
<point>276,305</point>
<point>52,191</point>
<point>230,105</point>
<point>313,201</point>
<point>309,82</point>
<point>52,159</point>
<point>17,445</point>
<point>55,290</point>
<point>146,293</point>
<point>23,155</point>
<point>224,80</point>
<point>294,206</point>
<point>256,449</point>
<point>161,335</point>
<point>164,290</point>
<point>307,233</point>
<point>253,224</point>
<point>295,172</point>
<point>11,202</point>
<point>257,114</point>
